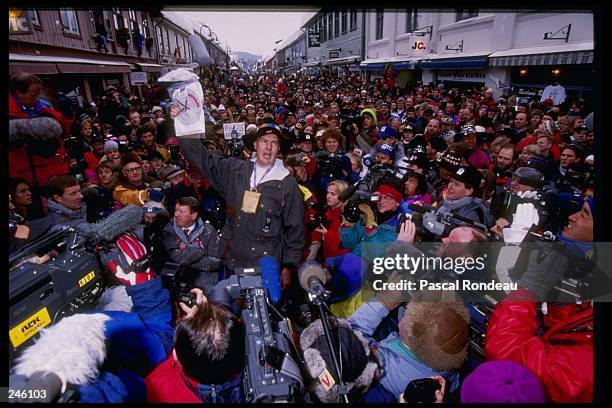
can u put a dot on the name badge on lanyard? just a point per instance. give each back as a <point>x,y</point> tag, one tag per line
<point>250,201</point>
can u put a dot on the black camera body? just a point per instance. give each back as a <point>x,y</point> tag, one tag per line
<point>236,147</point>
<point>271,372</point>
<point>329,165</point>
<point>178,279</point>
<point>41,294</point>
<point>421,390</point>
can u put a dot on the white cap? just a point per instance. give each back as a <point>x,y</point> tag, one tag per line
<point>221,107</point>
<point>320,133</point>
<point>590,157</point>
<point>479,129</point>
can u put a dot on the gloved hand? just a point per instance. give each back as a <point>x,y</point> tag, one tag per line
<point>367,216</point>
<point>156,194</point>
<point>526,215</point>
<point>393,298</point>
<point>543,274</point>
<point>432,225</point>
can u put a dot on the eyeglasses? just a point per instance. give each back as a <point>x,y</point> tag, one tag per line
<point>133,170</point>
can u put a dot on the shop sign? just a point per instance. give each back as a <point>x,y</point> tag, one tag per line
<point>461,75</point>
<point>314,38</point>
<point>334,54</point>
<point>530,92</point>
<point>20,21</point>
<point>138,78</point>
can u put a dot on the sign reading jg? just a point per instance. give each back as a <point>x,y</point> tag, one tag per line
<point>20,21</point>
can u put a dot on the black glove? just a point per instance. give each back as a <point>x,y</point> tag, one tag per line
<point>544,271</point>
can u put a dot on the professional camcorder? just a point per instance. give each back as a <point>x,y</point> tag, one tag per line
<point>271,372</point>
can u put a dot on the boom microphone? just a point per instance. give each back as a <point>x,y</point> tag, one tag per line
<point>200,52</point>
<point>312,278</point>
<point>124,220</point>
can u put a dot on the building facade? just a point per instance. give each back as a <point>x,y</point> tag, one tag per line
<point>335,40</point>
<point>61,46</point>
<point>522,51</point>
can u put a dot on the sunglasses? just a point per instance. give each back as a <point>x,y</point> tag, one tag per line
<point>133,170</point>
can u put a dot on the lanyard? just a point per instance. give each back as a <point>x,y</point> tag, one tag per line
<point>253,188</point>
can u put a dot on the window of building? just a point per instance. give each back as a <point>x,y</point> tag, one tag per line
<point>168,49</point>
<point>118,19</point>
<point>330,22</point>
<point>160,40</point>
<point>344,21</point>
<point>68,17</point>
<point>464,14</point>
<point>324,30</point>
<point>34,18</point>
<point>380,18</point>
<point>353,17</point>
<point>145,26</point>
<point>336,23</point>
<point>411,20</point>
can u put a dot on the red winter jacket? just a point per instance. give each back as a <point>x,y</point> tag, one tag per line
<point>561,357</point>
<point>165,384</point>
<point>44,167</point>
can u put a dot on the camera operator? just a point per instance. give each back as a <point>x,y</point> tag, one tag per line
<point>373,228</point>
<point>131,188</point>
<point>332,164</point>
<point>265,205</point>
<point>554,341</point>
<point>207,360</point>
<point>189,241</point>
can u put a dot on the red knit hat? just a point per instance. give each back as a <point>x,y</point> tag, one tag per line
<point>386,189</point>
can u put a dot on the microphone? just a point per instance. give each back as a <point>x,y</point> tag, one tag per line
<point>43,380</point>
<point>124,220</point>
<point>270,277</point>
<point>312,278</point>
<point>200,52</point>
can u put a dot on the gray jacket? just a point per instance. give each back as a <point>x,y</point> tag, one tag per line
<point>276,229</point>
<point>201,252</point>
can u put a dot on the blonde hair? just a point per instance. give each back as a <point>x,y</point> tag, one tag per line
<point>356,159</point>
<point>532,149</point>
<point>339,185</point>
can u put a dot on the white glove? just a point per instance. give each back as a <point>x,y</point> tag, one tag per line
<point>528,194</point>
<point>526,215</point>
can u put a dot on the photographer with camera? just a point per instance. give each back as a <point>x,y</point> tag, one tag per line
<point>332,164</point>
<point>131,188</point>
<point>365,224</point>
<point>207,359</point>
<point>461,200</point>
<point>191,242</point>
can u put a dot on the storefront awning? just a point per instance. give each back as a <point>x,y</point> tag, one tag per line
<point>398,63</point>
<point>68,65</point>
<point>343,60</point>
<point>312,64</point>
<point>450,62</point>
<point>32,68</point>
<point>149,67</point>
<point>577,53</point>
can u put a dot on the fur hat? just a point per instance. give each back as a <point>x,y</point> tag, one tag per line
<point>360,364</point>
<point>437,333</point>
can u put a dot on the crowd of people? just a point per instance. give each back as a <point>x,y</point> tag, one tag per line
<point>422,163</point>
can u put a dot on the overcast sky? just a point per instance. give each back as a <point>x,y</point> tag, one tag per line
<point>253,31</point>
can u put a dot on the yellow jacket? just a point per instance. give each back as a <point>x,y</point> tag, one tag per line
<point>127,195</point>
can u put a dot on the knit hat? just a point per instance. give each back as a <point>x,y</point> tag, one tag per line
<point>153,207</point>
<point>529,176</point>
<point>437,333</point>
<point>348,273</point>
<point>538,162</point>
<point>502,382</point>
<point>360,365</point>
<point>156,108</point>
<point>388,190</point>
<point>371,113</point>
<point>110,145</point>
<point>450,161</point>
